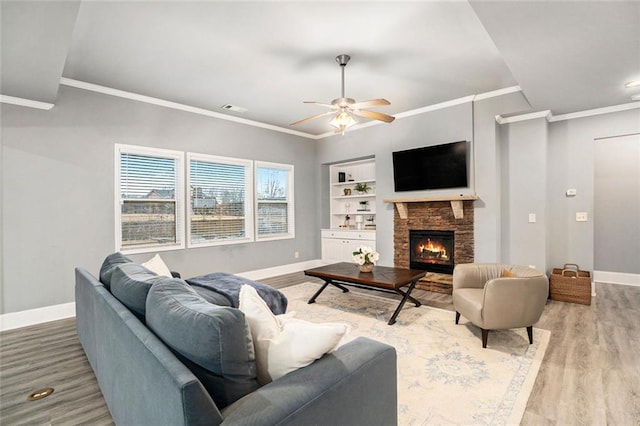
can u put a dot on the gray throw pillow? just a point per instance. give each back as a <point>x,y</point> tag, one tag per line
<point>213,341</point>
<point>109,264</point>
<point>130,284</point>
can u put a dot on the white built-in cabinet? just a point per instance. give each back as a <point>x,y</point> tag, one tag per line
<point>339,244</point>
<point>344,236</point>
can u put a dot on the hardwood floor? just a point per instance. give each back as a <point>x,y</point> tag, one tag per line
<point>590,374</point>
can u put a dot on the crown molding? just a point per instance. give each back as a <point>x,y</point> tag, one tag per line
<point>496,93</point>
<point>570,116</point>
<point>174,105</point>
<point>523,117</point>
<point>596,111</point>
<point>5,99</point>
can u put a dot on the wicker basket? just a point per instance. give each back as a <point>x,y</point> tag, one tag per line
<point>570,284</point>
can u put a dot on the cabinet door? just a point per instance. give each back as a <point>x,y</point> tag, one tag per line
<point>332,249</point>
<point>352,245</point>
<point>342,249</point>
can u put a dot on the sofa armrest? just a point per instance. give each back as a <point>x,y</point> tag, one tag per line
<point>355,385</point>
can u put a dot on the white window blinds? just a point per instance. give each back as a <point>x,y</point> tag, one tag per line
<point>274,200</point>
<point>149,213</point>
<point>220,194</point>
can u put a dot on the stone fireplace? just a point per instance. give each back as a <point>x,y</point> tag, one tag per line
<point>434,216</point>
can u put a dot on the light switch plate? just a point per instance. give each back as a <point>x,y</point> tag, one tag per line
<point>532,218</point>
<point>581,217</point>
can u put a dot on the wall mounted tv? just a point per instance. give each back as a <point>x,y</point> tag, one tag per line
<point>431,167</point>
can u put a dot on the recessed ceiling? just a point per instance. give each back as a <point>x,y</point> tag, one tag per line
<point>270,56</point>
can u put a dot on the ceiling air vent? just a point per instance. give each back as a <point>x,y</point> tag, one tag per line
<point>233,108</point>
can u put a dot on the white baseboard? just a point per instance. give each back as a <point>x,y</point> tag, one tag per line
<point>29,317</point>
<point>616,278</point>
<point>281,270</point>
<point>37,316</point>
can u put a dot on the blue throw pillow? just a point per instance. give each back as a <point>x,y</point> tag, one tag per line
<point>109,264</point>
<point>213,341</point>
<point>130,284</point>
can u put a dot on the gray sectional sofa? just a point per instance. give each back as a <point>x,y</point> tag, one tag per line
<point>168,356</point>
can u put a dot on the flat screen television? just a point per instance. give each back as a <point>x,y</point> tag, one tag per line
<point>431,167</point>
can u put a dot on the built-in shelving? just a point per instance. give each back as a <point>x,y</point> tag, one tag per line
<point>345,236</point>
<point>345,200</point>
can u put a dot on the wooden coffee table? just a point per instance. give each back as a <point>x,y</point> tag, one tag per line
<point>382,278</point>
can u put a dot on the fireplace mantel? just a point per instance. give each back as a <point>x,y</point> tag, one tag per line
<point>456,203</point>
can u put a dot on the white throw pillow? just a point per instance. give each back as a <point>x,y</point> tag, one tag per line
<point>157,265</point>
<point>283,344</point>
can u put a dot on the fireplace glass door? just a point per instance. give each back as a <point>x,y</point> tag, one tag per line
<point>432,250</point>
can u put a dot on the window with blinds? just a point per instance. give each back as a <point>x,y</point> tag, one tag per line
<point>149,213</point>
<point>274,201</point>
<point>220,200</point>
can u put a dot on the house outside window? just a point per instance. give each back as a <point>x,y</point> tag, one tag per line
<point>274,201</point>
<point>149,213</point>
<point>220,200</point>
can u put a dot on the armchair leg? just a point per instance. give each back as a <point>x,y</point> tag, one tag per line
<point>457,317</point>
<point>485,334</point>
<point>530,333</point>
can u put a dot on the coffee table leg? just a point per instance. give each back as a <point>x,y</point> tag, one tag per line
<point>326,283</point>
<point>313,298</point>
<point>402,302</point>
<point>341,287</point>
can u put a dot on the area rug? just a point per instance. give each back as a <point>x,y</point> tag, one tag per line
<point>444,374</point>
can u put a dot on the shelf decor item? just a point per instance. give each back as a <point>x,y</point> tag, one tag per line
<point>362,187</point>
<point>342,177</point>
<point>365,257</point>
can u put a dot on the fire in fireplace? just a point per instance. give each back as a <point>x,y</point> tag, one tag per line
<point>432,250</point>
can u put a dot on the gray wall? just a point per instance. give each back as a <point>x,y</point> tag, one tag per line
<point>58,195</point>
<point>571,164</point>
<point>58,190</point>
<point>472,121</point>
<point>524,191</point>
<point>441,126</point>
<point>617,205</point>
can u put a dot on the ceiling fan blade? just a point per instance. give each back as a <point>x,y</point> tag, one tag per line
<point>371,103</point>
<point>319,104</point>
<point>313,117</point>
<point>375,115</point>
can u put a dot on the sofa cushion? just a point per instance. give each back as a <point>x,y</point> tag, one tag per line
<point>157,265</point>
<point>213,341</point>
<point>130,284</point>
<point>284,344</point>
<point>109,265</point>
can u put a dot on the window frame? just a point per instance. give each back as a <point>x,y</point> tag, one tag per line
<point>290,201</point>
<point>178,157</point>
<point>249,197</point>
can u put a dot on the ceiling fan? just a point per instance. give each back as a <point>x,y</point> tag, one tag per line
<point>344,107</point>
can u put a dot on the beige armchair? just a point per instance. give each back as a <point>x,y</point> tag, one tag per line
<point>490,299</point>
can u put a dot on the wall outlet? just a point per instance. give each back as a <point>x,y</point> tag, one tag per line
<point>581,217</point>
<point>571,192</point>
<point>296,254</point>
<point>532,218</point>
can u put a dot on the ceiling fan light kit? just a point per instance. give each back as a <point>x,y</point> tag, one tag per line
<point>344,108</point>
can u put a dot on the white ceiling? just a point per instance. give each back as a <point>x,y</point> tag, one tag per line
<point>269,56</point>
